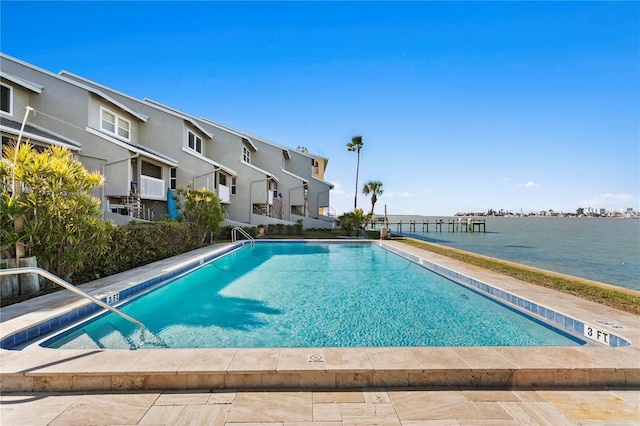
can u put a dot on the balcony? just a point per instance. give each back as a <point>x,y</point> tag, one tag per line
<point>223,193</point>
<point>152,188</point>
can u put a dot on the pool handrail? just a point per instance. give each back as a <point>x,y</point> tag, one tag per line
<point>48,275</point>
<point>234,234</point>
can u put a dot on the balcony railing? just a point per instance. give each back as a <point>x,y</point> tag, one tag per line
<point>152,188</point>
<point>223,193</point>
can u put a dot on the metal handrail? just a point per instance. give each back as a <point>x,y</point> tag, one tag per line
<point>234,235</point>
<point>70,287</point>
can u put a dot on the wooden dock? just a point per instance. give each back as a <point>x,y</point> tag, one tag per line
<point>438,225</point>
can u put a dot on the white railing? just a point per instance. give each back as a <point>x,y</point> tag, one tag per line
<point>152,187</point>
<point>223,193</point>
<point>70,287</point>
<point>234,235</point>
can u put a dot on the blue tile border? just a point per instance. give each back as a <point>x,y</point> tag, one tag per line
<point>561,321</point>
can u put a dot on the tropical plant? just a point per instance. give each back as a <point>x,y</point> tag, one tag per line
<point>355,146</point>
<point>202,208</point>
<point>373,187</point>
<point>46,207</point>
<point>353,221</point>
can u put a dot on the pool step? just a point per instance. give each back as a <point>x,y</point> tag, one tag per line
<point>106,336</point>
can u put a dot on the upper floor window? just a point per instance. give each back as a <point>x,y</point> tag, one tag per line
<point>246,155</point>
<point>7,95</point>
<point>111,122</point>
<point>195,142</point>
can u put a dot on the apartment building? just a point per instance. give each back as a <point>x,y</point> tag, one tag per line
<point>146,150</point>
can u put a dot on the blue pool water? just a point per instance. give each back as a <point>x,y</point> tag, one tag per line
<point>313,295</point>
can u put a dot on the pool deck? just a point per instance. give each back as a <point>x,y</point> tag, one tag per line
<point>593,366</point>
<point>368,406</point>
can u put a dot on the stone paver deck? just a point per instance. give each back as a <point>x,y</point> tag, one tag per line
<point>367,406</point>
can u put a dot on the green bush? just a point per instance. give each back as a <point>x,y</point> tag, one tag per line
<point>225,232</point>
<point>47,210</point>
<point>251,230</point>
<point>353,221</point>
<point>201,208</point>
<point>137,244</point>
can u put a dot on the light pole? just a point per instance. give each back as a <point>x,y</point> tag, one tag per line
<point>17,185</point>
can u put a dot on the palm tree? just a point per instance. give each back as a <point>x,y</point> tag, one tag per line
<point>355,146</point>
<point>373,187</point>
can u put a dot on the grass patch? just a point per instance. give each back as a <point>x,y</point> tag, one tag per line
<point>628,301</point>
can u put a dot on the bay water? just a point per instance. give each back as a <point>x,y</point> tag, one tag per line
<point>600,249</point>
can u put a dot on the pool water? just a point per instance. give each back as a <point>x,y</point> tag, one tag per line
<point>313,295</point>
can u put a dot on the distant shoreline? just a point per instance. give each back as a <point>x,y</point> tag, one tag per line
<point>559,216</point>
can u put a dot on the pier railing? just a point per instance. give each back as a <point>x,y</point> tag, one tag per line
<point>438,225</point>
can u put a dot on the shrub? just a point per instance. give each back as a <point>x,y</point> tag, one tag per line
<point>353,221</point>
<point>137,244</point>
<point>201,208</point>
<point>52,216</point>
<point>225,232</point>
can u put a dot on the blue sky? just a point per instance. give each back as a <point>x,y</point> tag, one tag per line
<point>462,106</point>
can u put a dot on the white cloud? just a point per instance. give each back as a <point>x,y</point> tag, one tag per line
<point>337,189</point>
<point>397,194</point>
<point>529,184</point>
<point>611,201</point>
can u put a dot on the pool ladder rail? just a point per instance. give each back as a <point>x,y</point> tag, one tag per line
<point>234,235</point>
<point>48,275</point>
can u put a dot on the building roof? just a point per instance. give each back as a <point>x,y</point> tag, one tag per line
<point>100,94</point>
<point>35,133</point>
<point>267,174</point>
<point>22,82</point>
<point>294,175</point>
<point>179,114</point>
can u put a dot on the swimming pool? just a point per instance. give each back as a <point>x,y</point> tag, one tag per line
<point>300,294</point>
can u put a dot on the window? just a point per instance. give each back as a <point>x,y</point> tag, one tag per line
<point>7,95</point>
<point>173,179</point>
<point>151,170</point>
<point>114,124</point>
<point>195,142</point>
<point>233,186</point>
<point>223,179</point>
<point>246,155</point>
